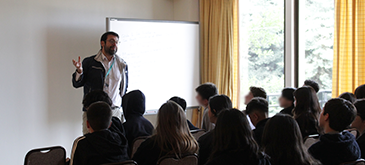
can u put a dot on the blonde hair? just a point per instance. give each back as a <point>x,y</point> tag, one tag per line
<point>172,133</point>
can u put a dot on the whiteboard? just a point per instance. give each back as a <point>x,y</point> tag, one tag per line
<point>162,58</point>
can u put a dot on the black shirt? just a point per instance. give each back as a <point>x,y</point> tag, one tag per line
<point>237,158</point>
<point>361,142</point>
<point>205,146</point>
<point>288,110</point>
<point>259,130</point>
<point>308,124</point>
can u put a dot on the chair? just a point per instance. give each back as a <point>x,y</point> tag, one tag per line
<point>197,133</point>
<point>46,156</point>
<point>128,162</point>
<point>310,140</point>
<point>136,143</point>
<point>357,162</point>
<point>191,159</point>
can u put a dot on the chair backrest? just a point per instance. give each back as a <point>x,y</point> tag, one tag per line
<point>128,162</point>
<point>357,162</point>
<point>197,133</point>
<point>46,156</point>
<point>310,140</point>
<point>136,143</point>
<point>191,159</point>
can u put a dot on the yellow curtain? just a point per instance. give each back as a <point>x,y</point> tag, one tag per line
<point>219,45</point>
<point>349,46</point>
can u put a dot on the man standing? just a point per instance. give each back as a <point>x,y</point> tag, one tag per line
<point>104,71</point>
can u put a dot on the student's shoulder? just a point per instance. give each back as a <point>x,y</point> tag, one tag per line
<point>206,136</point>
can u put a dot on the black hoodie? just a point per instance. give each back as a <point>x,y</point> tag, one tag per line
<point>99,147</point>
<point>136,125</point>
<point>336,148</point>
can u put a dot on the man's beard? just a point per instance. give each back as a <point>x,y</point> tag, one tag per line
<point>111,51</point>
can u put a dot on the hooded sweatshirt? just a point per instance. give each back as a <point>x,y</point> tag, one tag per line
<point>336,148</point>
<point>134,108</point>
<point>99,147</point>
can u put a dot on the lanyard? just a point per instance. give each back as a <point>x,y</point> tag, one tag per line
<point>111,66</point>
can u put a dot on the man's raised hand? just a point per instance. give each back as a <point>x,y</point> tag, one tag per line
<point>78,65</point>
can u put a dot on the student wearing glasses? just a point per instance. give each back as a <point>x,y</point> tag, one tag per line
<point>104,71</point>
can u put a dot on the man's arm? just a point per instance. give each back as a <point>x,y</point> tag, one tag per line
<point>78,77</point>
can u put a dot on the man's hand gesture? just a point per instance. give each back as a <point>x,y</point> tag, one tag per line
<point>78,65</point>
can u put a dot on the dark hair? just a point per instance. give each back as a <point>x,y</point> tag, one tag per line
<point>288,93</point>
<point>312,84</point>
<point>104,37</point>
<point>306,102</point>
<point>207,90</point>
<point>99,116</point>
<point>360,92</point>
<point>341,113</point>
<point>95,96</point>
<point>218,103</point>
<point>232,133</point>
<point>258,92</point>
<point>282,136</point>
<point>348,96</point>
<point>257,104</point>
<point>360,108</point>
<point>179,101</point>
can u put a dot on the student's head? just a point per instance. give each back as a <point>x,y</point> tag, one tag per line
<point>134,104</point>
<point>95,96</point>
<point>232,133</point>
<point>99,116</point>
<point>255,92</point>
<point>348,96</point>
<point>359,122</point>
<point>179,101</point>
<point>312,84</point>
<point>204,92</point>
<point>172,131</point>
<point>337,115</point>
<point>257,109</point>
<point>360,92</point>
<point>287,97</point>
<point>218,103</point>
<point>109,42</point>
<point>282,136</point>
<point>306,101</point>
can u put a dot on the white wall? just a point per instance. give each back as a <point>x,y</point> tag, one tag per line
<point>39,106</point>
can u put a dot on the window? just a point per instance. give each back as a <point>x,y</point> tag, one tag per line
<point>316,28</point>
<point>261,30</point>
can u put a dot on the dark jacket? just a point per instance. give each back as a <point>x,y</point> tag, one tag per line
<point>259,130</point>
<point>288,110</point>
<point>98,148</point>
<point>336,148</point>
<point>205,146</point>
<point>237,158</point>
<point>191,126</point>
<point>117,126</point>
<point>308,125</point>
<point>136,125</point>
<point>361,142</point>
<point>94,74</point>
<point>148,152</point>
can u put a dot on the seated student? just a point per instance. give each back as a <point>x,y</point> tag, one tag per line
<point>255,92</point>
<point>233,141</point>
<point>258,111</point>
<point>172,137</point>
<point>286,101</point>
<point>216,105</point>
<point>360,92</point>
<point>204,92</point>
<point>182,103</point>
<point>282,136</point>
<point>306,110</point>
<point>359,124</point>
<point>136,125</point>
<point>95,96</point>
<point>313,84</point>
<point>336,146</point>
<point>100,145</point>
<point>348,96</point>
